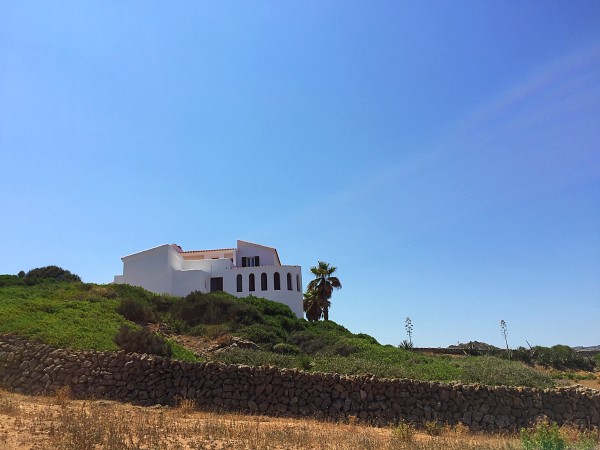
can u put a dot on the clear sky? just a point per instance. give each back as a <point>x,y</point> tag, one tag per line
<point>444,155</point>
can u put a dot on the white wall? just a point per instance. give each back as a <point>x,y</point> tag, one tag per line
<point>163,270</point>
<point>150,269</point>
<point>266,255</point>
<point>292,298</point>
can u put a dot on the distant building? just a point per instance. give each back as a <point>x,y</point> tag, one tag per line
<point>249,269</point>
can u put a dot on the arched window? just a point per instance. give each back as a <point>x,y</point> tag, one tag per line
<point>289,281</point>
<point>252,286</point>
<point>263,281</point>
<point>239,282</point>
<point>276,281</point>
<point>298,283</point>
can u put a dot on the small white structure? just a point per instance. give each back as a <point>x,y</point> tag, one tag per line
<point>249,269</point>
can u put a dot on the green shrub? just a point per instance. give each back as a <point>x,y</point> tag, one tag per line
<point>286,349</point>
<point>260,335</point>
<point>406,345</point>
<point>11,280</point>
<point>344,348</point>
<point>268,307</point>
<point>562,357</point>
<point>162,303</point>
<point>214,308</point>
<point>524,355</point>
<point>366,337</point>
<point>142,341</point>
<point>176,326</point>
<point>309,343</point>
<point>543,436</point>
<point>52,273</point>
<point>136,310</point>
<point>495,371</point>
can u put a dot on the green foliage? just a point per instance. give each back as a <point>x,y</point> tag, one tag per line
<point>546,435</point>
<point>142,341</point>
<point>12,280</point>
<point>406,345</point>
<point>268,307</point>
<point>366,337</point>
<point>52,273</point>
<point>320,290</point>
<point>286,349</point>
<point>181,353</point>
<point>64,315</point>
<point>496,371</point>
<point>562,357</point>
<point>260,335</point>
<point>84,316</point>
<point>214,308</point>
<point>136,310</point>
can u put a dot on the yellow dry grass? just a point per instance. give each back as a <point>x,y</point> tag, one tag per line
<point>44,423</point>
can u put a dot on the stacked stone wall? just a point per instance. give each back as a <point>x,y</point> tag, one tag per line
<point>34,368</point>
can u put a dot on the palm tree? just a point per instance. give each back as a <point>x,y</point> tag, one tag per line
<point>313,310</point>
<point>322,287</point>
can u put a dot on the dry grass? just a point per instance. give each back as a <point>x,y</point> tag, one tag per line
<point>44,423</point>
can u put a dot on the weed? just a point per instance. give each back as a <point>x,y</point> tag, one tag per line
<point>433,427</point>
<point>186,406</point>
<point>545,435</point>
<point>403,433</point>
<point>62,396</point>
<point>7,406</point>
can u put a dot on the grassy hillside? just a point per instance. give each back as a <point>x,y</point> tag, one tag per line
<point>88,316</point>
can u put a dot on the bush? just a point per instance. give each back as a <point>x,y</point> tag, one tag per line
<point>268,307</point>
<point>11,280</point>
<point>286,349</point>
<point>495,371</point>
<point>52,273</point>
<point>260,335</point>
<point>309,343</point>
<point>369,339</point>
<point>142,341</point>
<point>212,308</point>
<point>562,357</point>
<point>344,348</point>
<point>136,310</point>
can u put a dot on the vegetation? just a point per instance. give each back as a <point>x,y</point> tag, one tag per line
<point>142,341</point>
<point>47,274</point>
<point>108,317</point>
<point>320,290</point>
<point>60,422</point>
<point>546,435</point>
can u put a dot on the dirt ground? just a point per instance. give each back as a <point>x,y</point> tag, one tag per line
<point>44,423</point>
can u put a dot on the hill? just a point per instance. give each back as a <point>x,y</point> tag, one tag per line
<point>89,316</point>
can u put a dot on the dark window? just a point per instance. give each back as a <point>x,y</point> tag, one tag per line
<point>239,283</point>
<point>250,261</point>
<point>276,281</point>
<point>216,284</point>
<point>289,281</point>
<point>263,281</point>
<point>298,283</point>
<point>252,286</point>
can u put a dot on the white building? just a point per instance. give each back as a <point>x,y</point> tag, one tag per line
<point>249,269</point>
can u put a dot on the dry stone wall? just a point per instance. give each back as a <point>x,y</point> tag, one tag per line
<point>34,368</point>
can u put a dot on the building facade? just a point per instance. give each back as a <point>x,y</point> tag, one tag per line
<point>249,269</point>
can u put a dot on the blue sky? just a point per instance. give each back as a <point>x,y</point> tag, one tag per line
<point>445,156</point>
